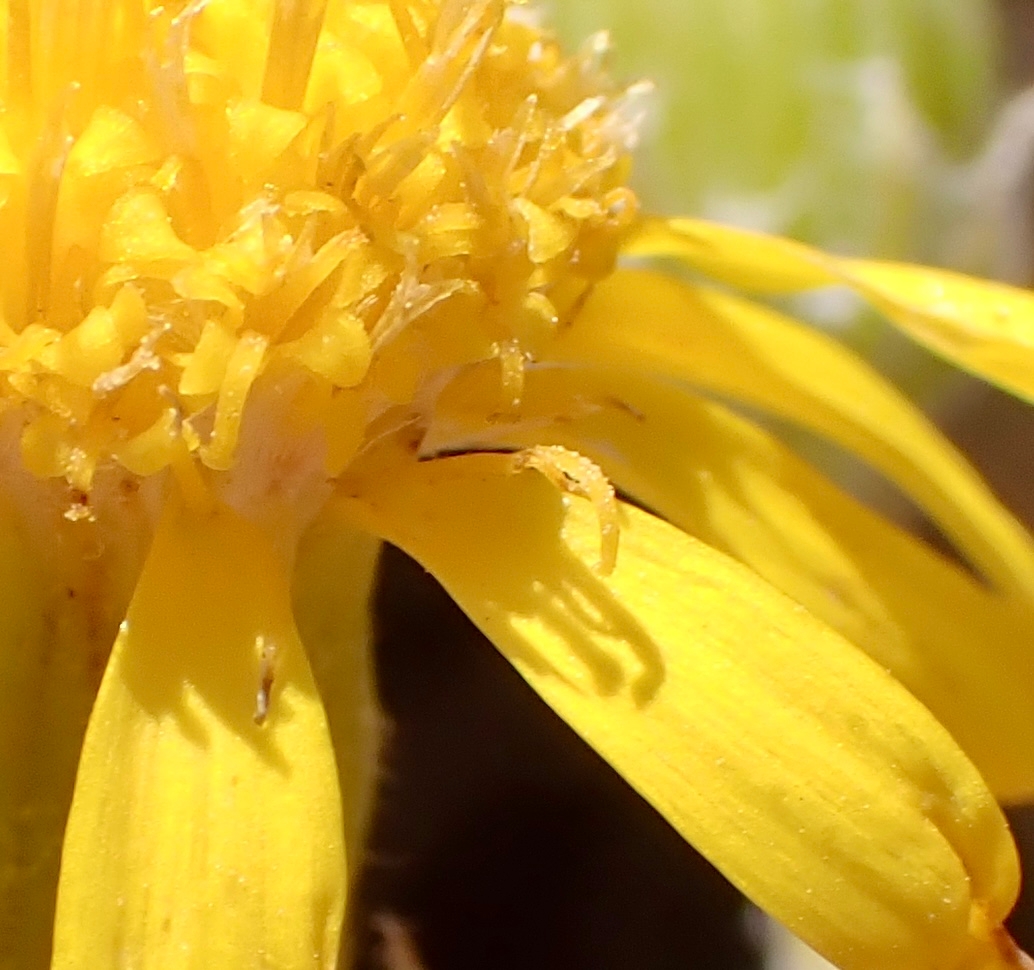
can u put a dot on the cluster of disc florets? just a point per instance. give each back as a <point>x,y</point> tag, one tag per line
<point>234,201</point>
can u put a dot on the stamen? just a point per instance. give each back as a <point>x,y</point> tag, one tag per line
<point>292,45</point>
<point>55,144</point>
<point>17,84</point>
<point>412,39</point>
<point>170,83</point>
<point>440,80</point>
<point>241,371</point>
<point>577,475</point>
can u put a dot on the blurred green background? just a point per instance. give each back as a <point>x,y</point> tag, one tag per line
<point>841,122</point>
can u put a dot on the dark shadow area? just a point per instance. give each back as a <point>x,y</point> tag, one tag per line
<point>501,839</point>
<point>997,431</point>
<point>1021,923</point>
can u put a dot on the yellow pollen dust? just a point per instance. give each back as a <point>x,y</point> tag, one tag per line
<point>320,206</point>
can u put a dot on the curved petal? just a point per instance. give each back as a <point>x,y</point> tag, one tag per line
<point>749,352</point>
<point>984,327</point>
<point>332,585</point>
<point>193,828</point>
<point>48,689</point>
<point>803,770</point>
<point>955,644</point>
<point>65,589</point>
<point>744,259</point>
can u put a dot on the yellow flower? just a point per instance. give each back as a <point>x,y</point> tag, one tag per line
<point>280,280</point>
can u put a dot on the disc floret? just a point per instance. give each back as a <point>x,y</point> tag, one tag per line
<point>297,234</point>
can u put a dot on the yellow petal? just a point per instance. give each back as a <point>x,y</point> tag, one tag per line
<point>762,358</point>
<point>808,775</point>
<point>197,837</point>
<point>748,260</point>
<point>60,612</point>
<point>47,688</point>
<point>332,582</point>
<point>984,327</point>
<point>954,643</point>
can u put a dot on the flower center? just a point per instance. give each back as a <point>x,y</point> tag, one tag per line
<point>243,240</point>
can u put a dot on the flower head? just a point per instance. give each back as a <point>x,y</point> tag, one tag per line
<point>279,274</point>
<point>316,227</point>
